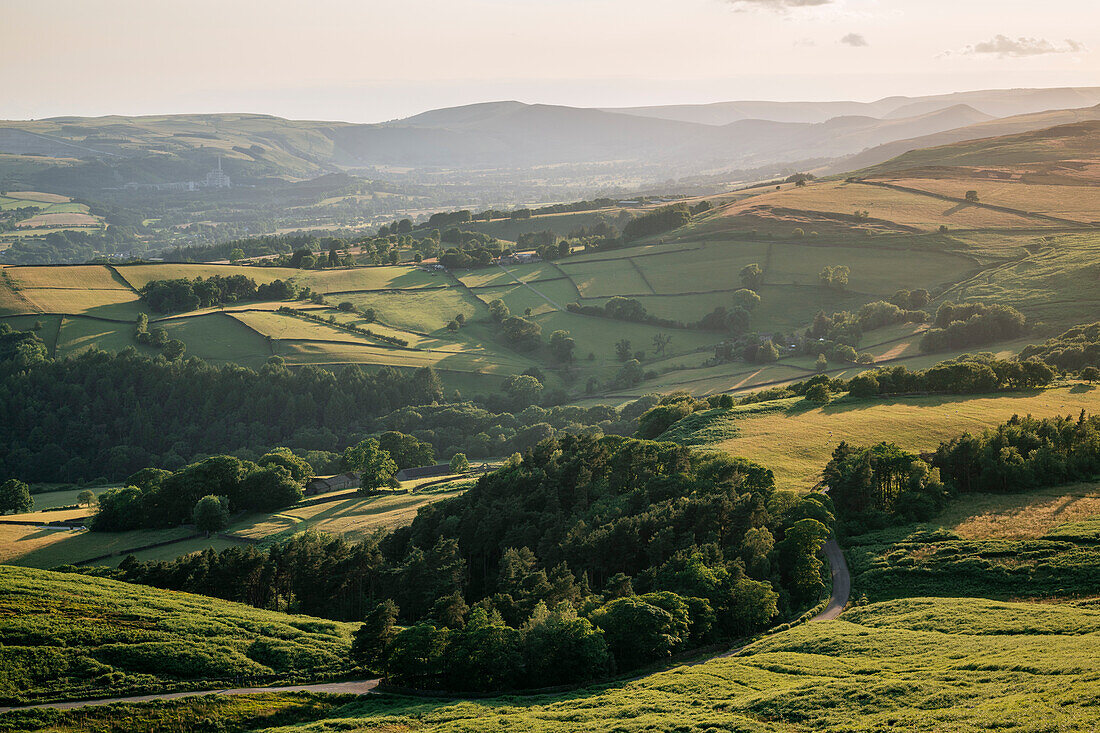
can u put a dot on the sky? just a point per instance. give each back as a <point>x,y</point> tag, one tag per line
<point>375,60</point>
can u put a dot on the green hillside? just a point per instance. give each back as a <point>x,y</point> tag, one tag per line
<point>926,665</point>
<point>70,636</point>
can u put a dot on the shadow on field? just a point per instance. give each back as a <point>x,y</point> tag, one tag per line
<point>846,404</point>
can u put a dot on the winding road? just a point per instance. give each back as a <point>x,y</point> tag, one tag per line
<point>838,569</point>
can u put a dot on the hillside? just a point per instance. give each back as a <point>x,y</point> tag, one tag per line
<point>993,128</point>
<point>70,636</point>
<point>924,665</point>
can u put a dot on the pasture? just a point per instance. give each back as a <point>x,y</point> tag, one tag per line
<point>115,303</point>
<point>353,517</point>
<point>829,206</point>
<point>796,438</point>
<point>1077,203</point>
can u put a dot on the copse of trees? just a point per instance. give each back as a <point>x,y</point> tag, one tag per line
<point>968,324</point>
<point>1071,351</point>
<point>100,414</point>
<point>181,295</point>
<point>664,219</point>
<point>1023,453</point>
<point>882,484</point>
<point>158,498</point>
<point>963,375</point>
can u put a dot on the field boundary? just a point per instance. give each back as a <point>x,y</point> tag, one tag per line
<point>979,204</point>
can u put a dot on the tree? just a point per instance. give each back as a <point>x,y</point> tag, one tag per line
<point>406,450</point>
<point>562,346</point>
<point>752,276</point>
<point>15,496</point>
<point>520,331</point>
<point>766,353</point>
<point>818,393</point>
<point>299,468</point>
<point>173,349</point>
<point>822,363</point>
<point>375,634</point>
<point>418,656</point>
<point>661,342</point>
<point>798,558</point>
<point>498,311</point>
<point>638,631</point>
<point>523,389</point>
<point>85,498</point>
<point>623,351</point>
<point>561,648</point>
<point>374,464</point>
<point>270,489</point>
<point>236,254</point>
<point>972,196</point>
<point>211,513</point>
<point>459,463</point>
<point>1090,374</point>
<point>745,298</point>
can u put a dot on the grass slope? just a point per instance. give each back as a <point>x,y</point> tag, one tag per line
<point>796,438</point>
<point>70,636</point>
<point>923,665</point>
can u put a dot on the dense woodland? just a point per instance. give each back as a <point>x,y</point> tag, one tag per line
<point>585,556</point>
<point>100,415</point>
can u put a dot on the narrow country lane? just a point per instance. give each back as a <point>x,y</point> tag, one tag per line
<point>358,687</point>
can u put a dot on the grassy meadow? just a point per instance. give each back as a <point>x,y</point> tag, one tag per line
<point>68,636</point>
<point>796,438</point>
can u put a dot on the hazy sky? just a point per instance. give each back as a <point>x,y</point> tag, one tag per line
<point>371,60</point>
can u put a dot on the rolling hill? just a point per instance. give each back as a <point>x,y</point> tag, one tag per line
<point>72,155</point>
<point>71,636</point>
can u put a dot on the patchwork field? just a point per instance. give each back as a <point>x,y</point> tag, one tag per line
<point>1078,203</point>
<point>828,205</point>
<point>55,213</point>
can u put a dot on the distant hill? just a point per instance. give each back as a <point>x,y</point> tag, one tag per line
<point>1069,151</point>
<point>994,102</point>
<point>987,129</point>
<point>492,147</point>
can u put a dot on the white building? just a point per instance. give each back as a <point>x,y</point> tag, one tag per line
<point>217,177</point>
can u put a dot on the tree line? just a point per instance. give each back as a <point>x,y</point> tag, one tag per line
<point>180,295</point>
<point>873,487</point>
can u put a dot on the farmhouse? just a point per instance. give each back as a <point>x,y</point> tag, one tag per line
<point>325,484</point>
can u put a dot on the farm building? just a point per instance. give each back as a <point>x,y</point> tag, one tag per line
<point>325,484</point>
<point>408,474</point>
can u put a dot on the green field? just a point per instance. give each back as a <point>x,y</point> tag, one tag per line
<point>1037,544</point>
<point>922,665</point>
<point>68,636</point>
<point>795,438</point>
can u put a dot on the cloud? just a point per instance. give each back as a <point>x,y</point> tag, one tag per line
<point>854,40</point>
<point>1005,47</point>
<point>779,4</point>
